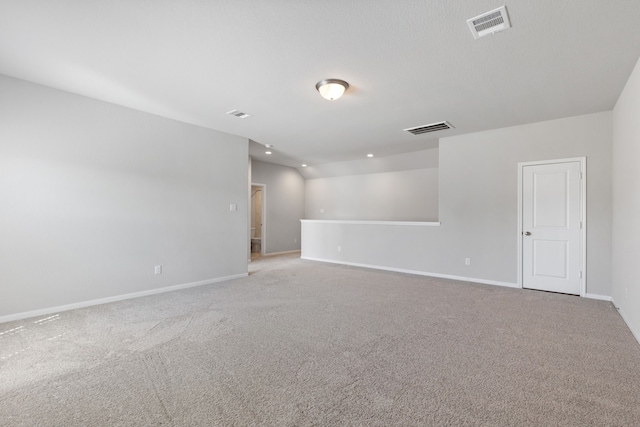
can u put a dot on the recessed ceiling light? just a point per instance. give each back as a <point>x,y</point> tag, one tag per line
<point>267,152</point>
<point>304,165</point>
<point>369,155</point>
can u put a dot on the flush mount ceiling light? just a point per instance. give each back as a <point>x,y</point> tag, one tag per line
<point>332,88</point>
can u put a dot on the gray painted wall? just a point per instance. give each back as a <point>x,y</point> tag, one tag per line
<point>95,195</point>
<point>410,195</point>
<point>478,206</point>
<point>626,202</point>
<point>284,201</point>
<point>478,192</point>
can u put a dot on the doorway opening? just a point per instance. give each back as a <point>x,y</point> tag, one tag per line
<point>258,224</point>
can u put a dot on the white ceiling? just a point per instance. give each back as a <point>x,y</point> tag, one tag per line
<point>408,62</point>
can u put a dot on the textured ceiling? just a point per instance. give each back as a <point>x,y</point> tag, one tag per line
<point>408,62</point>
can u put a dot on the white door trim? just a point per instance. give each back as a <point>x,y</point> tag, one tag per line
<point>583,216</point>
<point>263,231</point>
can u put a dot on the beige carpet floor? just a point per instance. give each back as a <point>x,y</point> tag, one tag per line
<point>300,343</point>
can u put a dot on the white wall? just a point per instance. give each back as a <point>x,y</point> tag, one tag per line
<point>94,195</point>
<point>284,203</point>
<point>478,207</point>
<point>410,195</point>
<point>426,158</point>
<point>626,202</point>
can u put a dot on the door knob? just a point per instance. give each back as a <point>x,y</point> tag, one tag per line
<point>527,233</point>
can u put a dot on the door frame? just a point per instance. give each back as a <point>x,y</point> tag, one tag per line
<point>583,216</point>
<point>263,216</point>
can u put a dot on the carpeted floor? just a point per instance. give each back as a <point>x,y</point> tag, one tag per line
<point>299,343</point>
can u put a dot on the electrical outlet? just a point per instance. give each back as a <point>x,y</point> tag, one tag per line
<point>467,261</point>
<point>158,269</point>
<point>233,207</point>
<point>321,210</point>
<point>339,248</point>
<point>295,240</point>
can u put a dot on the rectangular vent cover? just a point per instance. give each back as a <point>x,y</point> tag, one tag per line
<point>238,114</point>
<point>489,23</point>
<point>433,127</point>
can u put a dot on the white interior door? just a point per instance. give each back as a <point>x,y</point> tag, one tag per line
<point>551,227</point>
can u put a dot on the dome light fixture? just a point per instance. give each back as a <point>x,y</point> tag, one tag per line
<point>332,89</point>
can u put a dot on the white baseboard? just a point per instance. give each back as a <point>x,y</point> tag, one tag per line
<point>66,307</point>
<point>598,297</point>
<point>635,333</point>
<point>418,273</point>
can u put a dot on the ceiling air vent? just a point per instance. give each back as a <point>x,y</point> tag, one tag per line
<point>433,127</point>
<point>489,23</point>
<point>238,114</point>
